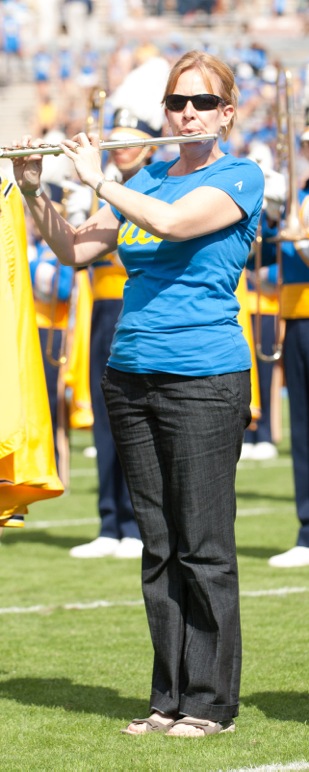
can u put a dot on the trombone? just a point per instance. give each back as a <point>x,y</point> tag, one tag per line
<point>95,122</point>
<point>290,228</point>
<point>278,343</point>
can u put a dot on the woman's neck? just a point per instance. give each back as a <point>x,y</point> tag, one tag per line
<point>190,161</point>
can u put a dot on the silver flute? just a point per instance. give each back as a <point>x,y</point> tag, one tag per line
<point>45,149</point>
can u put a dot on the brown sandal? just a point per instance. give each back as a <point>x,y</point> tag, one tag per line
<point>206,726</point>
<point>152,725</point>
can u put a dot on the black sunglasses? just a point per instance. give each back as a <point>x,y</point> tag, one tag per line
<point>177,102</point>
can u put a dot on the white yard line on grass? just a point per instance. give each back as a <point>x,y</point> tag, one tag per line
<point>294,766</point>
<point>267,463</point>
<point>70,607</point>
<point>255,511</point>
<point>95,604</point>
<point>279,591</point>
<point>33,525</point>
<point>42,524</point>
<point>242,465</point>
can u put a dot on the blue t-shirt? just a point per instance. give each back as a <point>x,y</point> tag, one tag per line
<point>180,312</point>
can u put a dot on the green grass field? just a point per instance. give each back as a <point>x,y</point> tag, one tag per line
<point>74,671</point>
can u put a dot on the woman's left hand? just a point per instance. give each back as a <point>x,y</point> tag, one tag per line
<point>84,151</point>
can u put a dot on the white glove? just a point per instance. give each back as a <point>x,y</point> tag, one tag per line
<point>274,194</point>
<point>304,215</point>
<point>302,248</point>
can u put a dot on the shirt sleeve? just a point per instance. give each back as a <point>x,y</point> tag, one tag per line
<point>243,181</point>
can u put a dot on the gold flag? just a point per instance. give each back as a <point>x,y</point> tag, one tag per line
<point>27,461</point>
<point>76,372</point>
<point>244,319</point>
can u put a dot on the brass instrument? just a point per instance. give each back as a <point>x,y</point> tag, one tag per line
<point>47,149</point>
<point>290,228</point>
<point>95,122</point>
<point>278,344</point>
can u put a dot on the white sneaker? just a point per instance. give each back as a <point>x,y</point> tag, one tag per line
<point>294,558</point>
<point>90,452</point>
<point>247,451</point>
<point>129,548</point>
<point>99,548</point>
<point>263,451</point>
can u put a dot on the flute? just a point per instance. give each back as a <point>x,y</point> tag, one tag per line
<point>45,149</point>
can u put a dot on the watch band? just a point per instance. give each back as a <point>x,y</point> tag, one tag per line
<point>33,193</point>
<point>99,186</point>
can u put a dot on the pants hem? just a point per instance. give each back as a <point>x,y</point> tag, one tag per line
<point>188,706</point>
<point>192,707</point>
<point>164,704</point>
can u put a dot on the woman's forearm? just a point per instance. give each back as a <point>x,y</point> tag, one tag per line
<point>150,214</point>
<point>58,233</point>
<point>80,246</point>
<point>200,211</point>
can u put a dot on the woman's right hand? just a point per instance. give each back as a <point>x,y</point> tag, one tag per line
<point>27,169</point>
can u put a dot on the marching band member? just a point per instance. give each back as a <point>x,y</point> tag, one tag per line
<point>295,310</point>
<point>259,444</point>
<point>177,384</point>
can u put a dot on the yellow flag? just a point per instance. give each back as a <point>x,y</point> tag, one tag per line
<point>244,319</point>
<point>76,375</point>
<point>27,461</point>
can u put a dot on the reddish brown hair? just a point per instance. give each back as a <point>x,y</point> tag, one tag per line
<point>207,64</point>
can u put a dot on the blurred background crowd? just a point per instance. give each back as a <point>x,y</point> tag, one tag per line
<point>52,56</point>
<point>77,65</point>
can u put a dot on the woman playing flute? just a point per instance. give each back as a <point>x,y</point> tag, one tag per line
<point>177,384</point>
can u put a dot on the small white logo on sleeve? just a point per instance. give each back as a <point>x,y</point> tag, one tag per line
<point>238,185</point>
